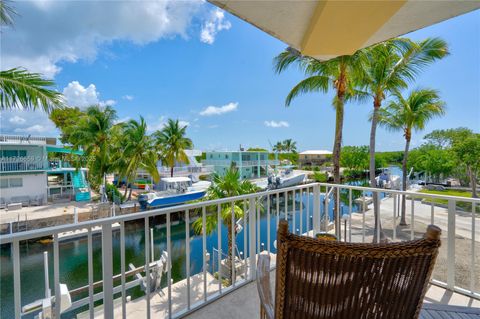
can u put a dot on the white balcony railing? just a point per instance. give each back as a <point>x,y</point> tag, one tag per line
<point>238,163</point>
<point>23,139</point>
<point>307,210</point>
<point>19,163</point>
<point>186,170</point>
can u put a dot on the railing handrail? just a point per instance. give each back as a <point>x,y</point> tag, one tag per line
<point>409,193</point>
<point>150,213</point>
<point>252,223</point>
<point>163,211</point>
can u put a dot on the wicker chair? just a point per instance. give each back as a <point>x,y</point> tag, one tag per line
<point>328,279</point>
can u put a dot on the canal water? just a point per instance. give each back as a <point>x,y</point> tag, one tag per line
<point>73,253</point>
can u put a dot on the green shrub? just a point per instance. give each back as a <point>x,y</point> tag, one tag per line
<point>114,194</point>
<point>320,177</point>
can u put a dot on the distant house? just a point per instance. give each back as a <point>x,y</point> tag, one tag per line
<point>313,157</point>
<point>29,173</point>
<point>250,164</point>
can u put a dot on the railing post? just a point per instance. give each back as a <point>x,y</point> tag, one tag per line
<point>338,223</point>
<point>316,209</point>
<point>451,245</point>
<point>252,240</point>
<point>107,263</point>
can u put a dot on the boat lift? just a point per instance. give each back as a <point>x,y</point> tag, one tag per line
<point>46,306</point>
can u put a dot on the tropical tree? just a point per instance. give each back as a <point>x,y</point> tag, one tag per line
<point>467,152</point>
<point>392,65</point>
<point>342,74</point>
<point>278,147</point>
<point>6,13</point>
<point>355,158</point>
<point>289,146</point>
<point>135,151</point>
<point>446,138</point>
<point>433,160</point>
<point>92,133</point>
<point>407,114</point>
<point>173,142</point>
<point>20,89</point>
<point>228,185</point>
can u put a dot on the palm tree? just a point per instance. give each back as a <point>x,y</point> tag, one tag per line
<point>136,151</point>
<point>171,139</point>
<point>341,74</point>
<point>290,146</point>
<point>407,114</point>
<point>391,66</point>
<point>6,13</point>
<point>93,134</point>
<point>228,185</point>
<point>278,147</point>
<point>21,89</point>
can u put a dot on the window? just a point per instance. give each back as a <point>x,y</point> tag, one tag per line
<point>10,153</point>
<point>16,182</point>
<point>11,182</point>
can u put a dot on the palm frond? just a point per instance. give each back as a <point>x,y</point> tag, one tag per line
<point>316,83</point>
<point>7,12</point>
<point>21,89</point>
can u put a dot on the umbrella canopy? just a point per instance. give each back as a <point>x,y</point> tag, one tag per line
<point>328,28</point>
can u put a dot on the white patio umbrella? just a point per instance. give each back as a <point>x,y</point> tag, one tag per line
<point>326,29</point>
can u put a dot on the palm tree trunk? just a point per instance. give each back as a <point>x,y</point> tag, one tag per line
<point>373,132</point>
<point>403,221</point>
<point>130,193</point>
<point>171,171</point>
<point>126,189</point>
<point>473,181</point>
<point>229,263</point>
<point>337,145</point>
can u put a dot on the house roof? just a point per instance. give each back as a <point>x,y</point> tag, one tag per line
<point>316,152</point>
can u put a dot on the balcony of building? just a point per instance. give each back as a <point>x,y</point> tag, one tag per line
<point>185,264</point>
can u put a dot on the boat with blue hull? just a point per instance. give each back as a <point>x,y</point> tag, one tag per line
<point>174,191</point>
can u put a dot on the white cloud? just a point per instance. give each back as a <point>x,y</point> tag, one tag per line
<point>213,126</point>
<point>36,128</point>
<point>218,110</point>
<point>75,30</point>
<point>77,95</point>
<point>123,119</point>
<point>157,125</point>
<point>17,120</point>
<point>127,97</point>
<point>183,123</point>
<point>276,124</point>
<point>27,122</point>
<point>160,123</point>
<point>215,23</point>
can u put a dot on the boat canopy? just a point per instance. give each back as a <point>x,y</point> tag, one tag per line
<point>176,179</point>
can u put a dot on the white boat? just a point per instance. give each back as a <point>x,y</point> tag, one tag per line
<point>174,191</point>
<point>286,178</point>
<point>388,180</point>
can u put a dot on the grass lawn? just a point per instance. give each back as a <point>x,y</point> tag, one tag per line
<point>451,192</point>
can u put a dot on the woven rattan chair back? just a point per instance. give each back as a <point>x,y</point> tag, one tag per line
<point>329,279</point>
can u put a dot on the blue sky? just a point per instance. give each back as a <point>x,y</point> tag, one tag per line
<point>205,59</point>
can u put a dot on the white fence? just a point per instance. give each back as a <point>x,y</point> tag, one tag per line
<point>19,163</point>
<point>308,212</point>
<point>23,139</point>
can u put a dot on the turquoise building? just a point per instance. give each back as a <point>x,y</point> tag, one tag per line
<point>250,164</point>
<point>32,171</point>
